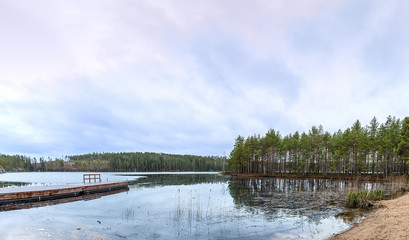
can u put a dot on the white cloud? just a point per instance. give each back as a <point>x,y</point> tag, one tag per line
<point>188,77</point>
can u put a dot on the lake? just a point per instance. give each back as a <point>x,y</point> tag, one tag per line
<point>186,206</point>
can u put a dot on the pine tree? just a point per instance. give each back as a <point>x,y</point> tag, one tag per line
<point>373,142</point>
<point>237,156</point>
<point>403,147</point>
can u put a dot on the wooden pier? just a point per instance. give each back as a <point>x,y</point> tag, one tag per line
<point>51,192</point>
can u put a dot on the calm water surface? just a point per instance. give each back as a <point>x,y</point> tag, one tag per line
<point>186,206</point>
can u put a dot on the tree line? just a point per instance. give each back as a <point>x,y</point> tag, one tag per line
<point>115,162</point>
<point>148,162</point>
<point>377,149</point>
<point>16,163</point>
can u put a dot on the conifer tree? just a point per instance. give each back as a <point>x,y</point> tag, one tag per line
<point>403,147</point>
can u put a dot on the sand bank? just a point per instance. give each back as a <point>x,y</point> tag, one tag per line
<point>388,222</point>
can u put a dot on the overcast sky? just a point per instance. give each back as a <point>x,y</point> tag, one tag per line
<point>189,76</point>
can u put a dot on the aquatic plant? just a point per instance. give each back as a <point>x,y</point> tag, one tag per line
<point>178,205</point>
<point>363,199</point>
<point>129,213</point>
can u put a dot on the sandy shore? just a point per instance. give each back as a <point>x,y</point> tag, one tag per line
<point>389,222</point>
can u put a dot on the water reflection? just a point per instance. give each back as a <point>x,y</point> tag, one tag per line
<point>295,194</point>
<point>198,206</point>
<point>258,209</point>
<point>315,199</point>
<point>13,184</point>
<point>155,180</point>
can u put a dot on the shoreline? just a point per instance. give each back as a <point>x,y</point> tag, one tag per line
<point>387,222</point>
<point>348,177</point>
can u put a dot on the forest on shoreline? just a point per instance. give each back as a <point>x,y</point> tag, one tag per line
<point>380,149</point>
<point>116,162</point>
<point>376,149</point>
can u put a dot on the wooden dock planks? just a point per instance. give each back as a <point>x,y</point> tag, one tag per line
<point>40,193</point>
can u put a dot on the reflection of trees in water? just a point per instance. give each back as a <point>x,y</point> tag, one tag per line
<point>13,184</point>
<point>179,179</point>
<point>312,198</point>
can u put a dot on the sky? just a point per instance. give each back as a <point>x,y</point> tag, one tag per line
<point>189,76</point>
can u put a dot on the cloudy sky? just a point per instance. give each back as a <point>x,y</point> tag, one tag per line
<point>183,76</point>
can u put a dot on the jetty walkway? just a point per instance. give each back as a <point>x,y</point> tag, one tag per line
<point>51,192</point>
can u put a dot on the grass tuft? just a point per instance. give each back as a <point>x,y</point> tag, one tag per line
<point>363,199</point>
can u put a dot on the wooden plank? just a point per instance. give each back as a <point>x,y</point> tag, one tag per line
<point>85,197</point>
<point>18,193</point>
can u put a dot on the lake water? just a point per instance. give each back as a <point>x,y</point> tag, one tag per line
<point>186,206</point>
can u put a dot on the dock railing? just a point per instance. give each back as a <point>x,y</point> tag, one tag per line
<point>91,177</point>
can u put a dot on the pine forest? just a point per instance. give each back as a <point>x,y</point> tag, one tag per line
<point>376,149</point>
<point>115,162</point>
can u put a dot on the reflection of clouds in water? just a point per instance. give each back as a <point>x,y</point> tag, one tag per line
<point>280,235</point>
<point>192,207</point>
<point>41,233</point>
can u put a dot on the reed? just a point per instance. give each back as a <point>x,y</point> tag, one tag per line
<point>363,199</point>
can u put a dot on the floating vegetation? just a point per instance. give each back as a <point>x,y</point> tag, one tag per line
<point>363,199</point>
